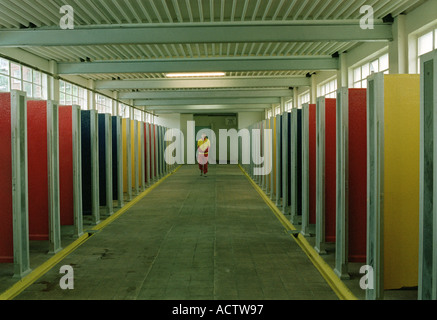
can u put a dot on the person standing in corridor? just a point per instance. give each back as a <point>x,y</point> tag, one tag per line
<point>203,146</point>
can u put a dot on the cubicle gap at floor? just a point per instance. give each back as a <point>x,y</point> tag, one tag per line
<point>14,226</point>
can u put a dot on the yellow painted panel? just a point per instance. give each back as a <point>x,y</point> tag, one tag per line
<point>124,138</point>
<point>274,155</point>
<point>401,180</point>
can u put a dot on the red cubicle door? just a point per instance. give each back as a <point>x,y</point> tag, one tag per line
<point>38,192</point>
<point>6,227</point>
<point>330,169</point>
<point>357,175</point>
<point>66,165</point>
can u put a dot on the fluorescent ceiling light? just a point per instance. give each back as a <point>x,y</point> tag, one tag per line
<point>199,74</point>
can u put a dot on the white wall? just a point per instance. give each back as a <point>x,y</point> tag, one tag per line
<point>171,120</point>
<point>245,119</point>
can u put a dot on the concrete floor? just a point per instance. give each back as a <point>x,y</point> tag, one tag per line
<point>191,238</point>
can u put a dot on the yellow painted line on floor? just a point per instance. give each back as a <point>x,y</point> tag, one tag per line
<point>116,215</point>
<point>28,280</point>
<point>340,289</point>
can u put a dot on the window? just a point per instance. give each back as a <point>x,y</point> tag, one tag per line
<point>14,76</point>
<point>304,98</point>
<point>277,110</point>
<point>426,43</point>
<point>269,114</point>
<point>137,114</point>
<point>103,104</point>
<point>288,106</point>
<point>4,75</point>
<point>361,73</point>
<point>123,110</point>
<point>70,94</point>
<point>328,89</point>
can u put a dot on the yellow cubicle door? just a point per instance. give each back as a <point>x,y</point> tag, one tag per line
<point>401,180</point>
<point>124,143</point>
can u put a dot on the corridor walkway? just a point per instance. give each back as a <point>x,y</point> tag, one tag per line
<point>192,237</point>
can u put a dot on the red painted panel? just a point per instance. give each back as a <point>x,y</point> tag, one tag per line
<point>37,170</point>
<point>6,229</point>
<point>312,163</point>
<point>330,169</point>
<point>357,175</point>
<point>66,165</point>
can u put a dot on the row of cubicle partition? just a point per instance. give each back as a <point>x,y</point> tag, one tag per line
<point>63,166</point>
<point>359,171</point>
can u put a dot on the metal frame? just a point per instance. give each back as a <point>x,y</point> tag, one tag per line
<point>278,158</point>
<point>342,129</point>
<point>94,134</point>
<point>263,139</point>
<point>119,138</point>
<point>285,162</point>
<point>20,204</point>
<point>428,177</point>
<point>163,164</point>
<point>259,152</point>
<point>153,154</point>
<point>143,157</point>
<point>129,159</point>
<point>108,155</point>
<point>77,170</point>
<point>158,152</point>
<point>305,170</point>
<point>156,137</point>
<point>147,153</point>
<point>53,177</point>
<point>135,169</point>
<point>375,182</point>
<point>293,166</point>
<point>271,120</point>
<point>320,176</point>
<point>267,155</point>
